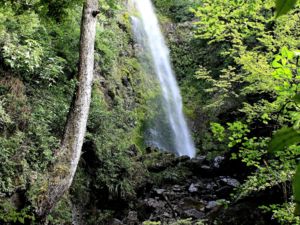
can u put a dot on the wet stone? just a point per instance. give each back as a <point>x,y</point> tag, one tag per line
<point>159,191</point>
<point>194,214</point>
<point>116,222</point>
<point>230,181</point>
<point>151,202</point>
<point>177,188</point>
<point>217,161</point>
<point>167,215</point>
<point>193,188</point>
<point>211,204</point>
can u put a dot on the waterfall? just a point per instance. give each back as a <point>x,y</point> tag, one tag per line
<point>149,36</point>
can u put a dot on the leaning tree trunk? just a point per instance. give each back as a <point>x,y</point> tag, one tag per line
<point>62,174</point>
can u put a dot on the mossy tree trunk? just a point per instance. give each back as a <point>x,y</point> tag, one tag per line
<point>68,155</point>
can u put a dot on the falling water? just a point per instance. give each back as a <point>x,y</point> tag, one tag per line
<point>148,34</point>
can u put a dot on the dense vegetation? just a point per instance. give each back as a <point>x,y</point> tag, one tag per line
<point>238,69</point>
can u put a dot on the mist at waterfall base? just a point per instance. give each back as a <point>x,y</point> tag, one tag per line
<point>169,130</point>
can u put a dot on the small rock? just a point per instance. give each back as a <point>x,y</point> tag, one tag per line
<point>201,158</point>
<point>193,188</point>
<point>132,215</point>
<point>205,167</point>
<point>153,203</point>
<point>211,186</point>
<point>191,203</point>
<point>231,181</point>
<point>159,191</point>
<point>116,222</point>
<point>132,218</point>
<point>211,204</point>
<point>200,184</point>
<point>167,215</point>
<point>177,188</point>
<point>194,214</point>
<point>217,161</point>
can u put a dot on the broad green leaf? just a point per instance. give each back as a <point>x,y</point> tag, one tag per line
<point>283,138</point>
<point>276,64</point>
<point>296,98</point>
<point>284,6</point>
<point>21,220</point>
<point>296,188</point>
<point>286,53</point>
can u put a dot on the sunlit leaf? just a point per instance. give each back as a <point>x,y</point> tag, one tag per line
<point>283,138</point>
<point>276,64</point>
<point>284,6</point>
<point>296,187</point>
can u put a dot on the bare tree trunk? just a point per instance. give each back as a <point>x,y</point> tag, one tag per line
<point>61,177</point>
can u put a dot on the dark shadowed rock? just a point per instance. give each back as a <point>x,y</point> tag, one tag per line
<point>230,181</point>
<point>193,213</point>
<point>153,203</point>
<point>211,204</point>
<point>116,222</point>
<point>191,203</point>
<point>183,158</point>
<point>195,163</point>
<point>132,218</point>
<point>218,161</point>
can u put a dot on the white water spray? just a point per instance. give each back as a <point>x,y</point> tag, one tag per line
<point>148,33</point>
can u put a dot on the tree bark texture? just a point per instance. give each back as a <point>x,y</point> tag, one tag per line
<point>62,174</point>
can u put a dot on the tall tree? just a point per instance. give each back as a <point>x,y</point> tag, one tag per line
<point>68,155</point>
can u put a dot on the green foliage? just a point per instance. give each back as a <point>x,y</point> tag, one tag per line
<point>283,138</point>
<point>183,222</point>
<point>9,214</point>
<point>101,217</point>
<point>283,213</point>
<point>218,131</point>
<point>236,133</point>
<point>4,117</point>
<point>39,43</point>
<point>36,48</point>
<point>296,188</point>
<point>178,10</point>
<point>23,58</point>
<point>62,213</point>
<point>10,157</point>
<point>284,6</point>
<point>251,78</point>
<point>151,223</point>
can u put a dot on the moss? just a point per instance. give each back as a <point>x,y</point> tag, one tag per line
<point>62,213</point>
<point>10,214</point>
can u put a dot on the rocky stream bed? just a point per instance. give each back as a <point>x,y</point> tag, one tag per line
<point>203,197</point>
